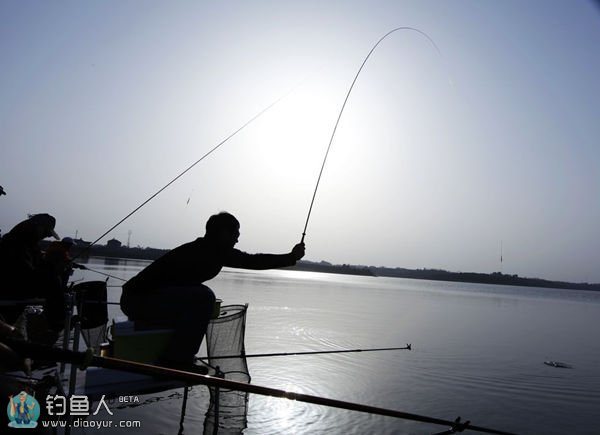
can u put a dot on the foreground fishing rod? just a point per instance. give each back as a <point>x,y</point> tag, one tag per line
<point>87,359</point>
<point>317,352</point>
<point>344,106</point>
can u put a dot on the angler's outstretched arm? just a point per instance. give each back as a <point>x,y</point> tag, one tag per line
<point>244,260</point>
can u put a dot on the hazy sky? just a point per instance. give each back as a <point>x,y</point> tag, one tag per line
<point>436,162</point>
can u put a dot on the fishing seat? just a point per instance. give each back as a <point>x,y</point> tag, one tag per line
<point>131,343</point>
<point>143,343</point>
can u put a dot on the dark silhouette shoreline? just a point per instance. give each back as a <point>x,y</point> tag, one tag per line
<point>115,250</point>
<point>497,278</point>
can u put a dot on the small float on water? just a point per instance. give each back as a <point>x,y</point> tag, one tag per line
<point>558,364</point>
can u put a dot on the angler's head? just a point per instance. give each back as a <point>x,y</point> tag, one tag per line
<point>34,229</point>
<point>223,229</point>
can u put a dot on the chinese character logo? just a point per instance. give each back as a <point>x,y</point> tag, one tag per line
<point>56,405</point>
<point>23,411</point>
<point>77,405</point>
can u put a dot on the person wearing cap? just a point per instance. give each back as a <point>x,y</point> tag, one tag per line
<point>170,291</point>
<point>21,261</point>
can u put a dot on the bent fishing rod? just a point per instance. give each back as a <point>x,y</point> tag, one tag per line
<point>317,352</point>
<point>344,106</point>
<point>88,359</point>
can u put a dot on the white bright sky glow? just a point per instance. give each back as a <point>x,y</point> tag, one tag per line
<point>437,160</point>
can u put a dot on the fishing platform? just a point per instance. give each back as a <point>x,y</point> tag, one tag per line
<point>87,327</point>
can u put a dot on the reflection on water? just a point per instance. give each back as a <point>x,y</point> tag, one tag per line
<point>478,353</point>
<point>110,261</point>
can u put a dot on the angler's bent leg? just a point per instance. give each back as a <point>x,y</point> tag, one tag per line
<point>185,309</point>
<point>193,311</point>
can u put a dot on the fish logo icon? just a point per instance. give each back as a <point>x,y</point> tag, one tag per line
<point>23,411</point>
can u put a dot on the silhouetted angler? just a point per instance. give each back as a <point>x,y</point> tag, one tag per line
<point>21,262</point>
<point>170,291</point>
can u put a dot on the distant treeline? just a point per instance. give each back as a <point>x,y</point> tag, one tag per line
<point>137,253</point>
<point>326,267</point>
<point>116,250</point>
<point>442,275</point>
<point>481,278</point>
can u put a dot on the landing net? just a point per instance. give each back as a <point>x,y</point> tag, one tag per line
<point>225,336</point>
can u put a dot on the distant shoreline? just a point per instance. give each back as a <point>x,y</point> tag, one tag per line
<point>498,278</point>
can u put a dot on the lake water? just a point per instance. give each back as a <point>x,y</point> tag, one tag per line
<point>478,353</point>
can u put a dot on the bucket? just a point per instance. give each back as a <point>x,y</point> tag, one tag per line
<point>92,296</point>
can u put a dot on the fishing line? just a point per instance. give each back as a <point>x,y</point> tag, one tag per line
<point>181,174</point>
<point>344,105</point>
<point>102,273</point>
